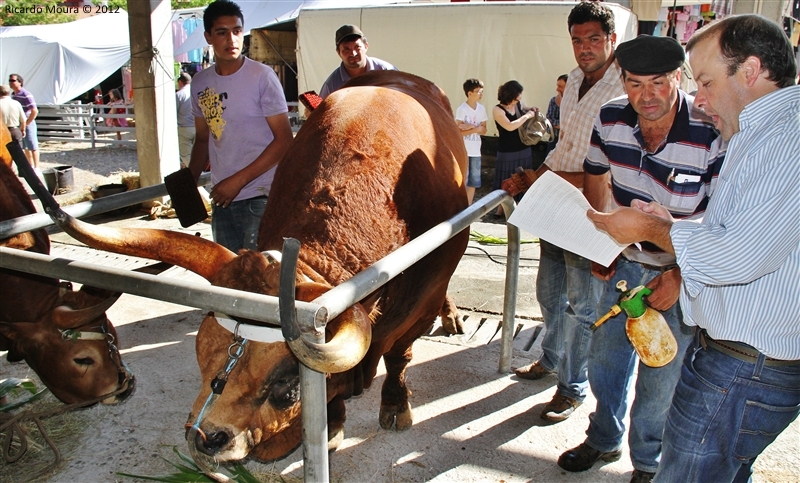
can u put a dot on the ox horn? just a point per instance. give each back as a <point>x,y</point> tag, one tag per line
<point>65,317</point>
<point>352,335</point>
<point>193,253</point>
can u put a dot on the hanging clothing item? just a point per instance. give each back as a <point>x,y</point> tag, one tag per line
<point>127,85</point>
<point>189,25</point>
<point>179,37</point>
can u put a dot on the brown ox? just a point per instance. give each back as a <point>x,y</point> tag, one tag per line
<point>34,312</point>
<point>373,167</point>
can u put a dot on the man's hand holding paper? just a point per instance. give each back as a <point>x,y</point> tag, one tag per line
<point>554,210</point>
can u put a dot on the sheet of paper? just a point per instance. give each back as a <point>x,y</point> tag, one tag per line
<point>555,211</point>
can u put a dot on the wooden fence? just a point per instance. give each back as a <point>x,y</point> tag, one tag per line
<point>85,123</point>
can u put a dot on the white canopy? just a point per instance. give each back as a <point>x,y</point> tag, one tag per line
<point>62,61</point>
<point>262,13</point>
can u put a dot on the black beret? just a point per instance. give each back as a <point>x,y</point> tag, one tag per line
<point>650,55</point>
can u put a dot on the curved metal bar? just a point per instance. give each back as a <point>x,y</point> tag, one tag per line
<point>291,250</point>
<point>26,170</point>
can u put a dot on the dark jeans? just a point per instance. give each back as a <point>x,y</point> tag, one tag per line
<point>724,414</point>
<point>236,227</point>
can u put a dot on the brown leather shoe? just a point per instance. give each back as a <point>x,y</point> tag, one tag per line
<point>560,408</point>
<point>583,457</point>
<point>532,371</point>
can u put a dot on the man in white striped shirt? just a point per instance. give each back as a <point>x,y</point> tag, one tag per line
<point>740,383</point>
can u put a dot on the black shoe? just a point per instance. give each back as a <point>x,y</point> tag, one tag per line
<point>641,476</point>
<point>584,457</point>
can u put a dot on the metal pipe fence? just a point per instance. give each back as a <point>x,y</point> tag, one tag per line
<point>311,316</point>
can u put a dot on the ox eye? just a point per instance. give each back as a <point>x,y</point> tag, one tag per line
<point>83,361</point>
<point>284,393</point>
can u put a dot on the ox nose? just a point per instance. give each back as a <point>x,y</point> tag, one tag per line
<point>213,442</point>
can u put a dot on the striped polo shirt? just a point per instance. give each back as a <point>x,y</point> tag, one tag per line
<point>680,175</point>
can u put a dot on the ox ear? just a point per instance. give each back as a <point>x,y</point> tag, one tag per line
<point>65,317</point>
<point>12,334</point>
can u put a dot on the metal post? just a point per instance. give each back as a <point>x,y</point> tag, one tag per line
<point>510,291</point>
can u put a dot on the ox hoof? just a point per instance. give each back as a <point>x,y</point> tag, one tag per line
<point>335,440</point>
<point>399,417</point>
<point>452,324</point>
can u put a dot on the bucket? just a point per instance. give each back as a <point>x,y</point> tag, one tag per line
<point>59,179</point>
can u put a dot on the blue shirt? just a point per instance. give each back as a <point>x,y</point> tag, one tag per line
<point>680,175</point>
<point>553,112</point>
<point>741,263</point>
<point>338,77</point>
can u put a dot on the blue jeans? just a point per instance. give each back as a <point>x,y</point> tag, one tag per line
<point>568,295</point>
<point>724,414</point>
<point>236,227</point>
<point>612,361</point>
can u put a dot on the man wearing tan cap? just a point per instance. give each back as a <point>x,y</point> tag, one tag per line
<point>351,46</point>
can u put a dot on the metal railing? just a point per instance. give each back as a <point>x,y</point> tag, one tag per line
<point>84,123</point>
<point>311,316</point>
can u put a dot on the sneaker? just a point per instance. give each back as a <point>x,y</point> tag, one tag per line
<point>560,408</point>
<point>584,457</point>
<point>639,476</point>
<point>532,371</point>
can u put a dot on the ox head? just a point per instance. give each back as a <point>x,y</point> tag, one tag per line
<point>64,337</point>
<point>72,348</point>
<point>258,413</point>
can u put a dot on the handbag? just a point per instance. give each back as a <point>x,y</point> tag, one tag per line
<point>536,129</point>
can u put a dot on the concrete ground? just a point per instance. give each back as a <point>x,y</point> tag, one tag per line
<point>471,424</point>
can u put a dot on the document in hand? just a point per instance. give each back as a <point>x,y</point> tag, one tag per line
<point>555,211</point>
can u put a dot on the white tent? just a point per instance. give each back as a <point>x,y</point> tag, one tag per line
<point>62,61</point>
<point>262,13</point>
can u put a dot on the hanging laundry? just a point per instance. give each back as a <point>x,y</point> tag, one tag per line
<point>178,38</point>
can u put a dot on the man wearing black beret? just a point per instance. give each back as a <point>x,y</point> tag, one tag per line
<point>655,146</point>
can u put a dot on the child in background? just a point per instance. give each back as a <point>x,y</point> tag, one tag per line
<point>471,119</point>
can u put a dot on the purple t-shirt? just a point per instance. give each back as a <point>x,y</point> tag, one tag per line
<point>25,98</point>
<point>235,108</point>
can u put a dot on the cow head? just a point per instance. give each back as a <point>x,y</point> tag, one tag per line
<point>261,399</point>
<point>257,415</point>
<point>72,349</point>
<point>64,337</point>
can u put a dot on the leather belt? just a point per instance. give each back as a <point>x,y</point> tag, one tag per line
<point>658,268</point>
<point>742,352</point>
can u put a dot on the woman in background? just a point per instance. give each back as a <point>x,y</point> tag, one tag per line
<point>509,115</point>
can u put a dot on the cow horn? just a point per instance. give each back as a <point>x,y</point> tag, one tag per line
<point>65,317</point>
<point>193,253</point>
<point>348,345</point>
